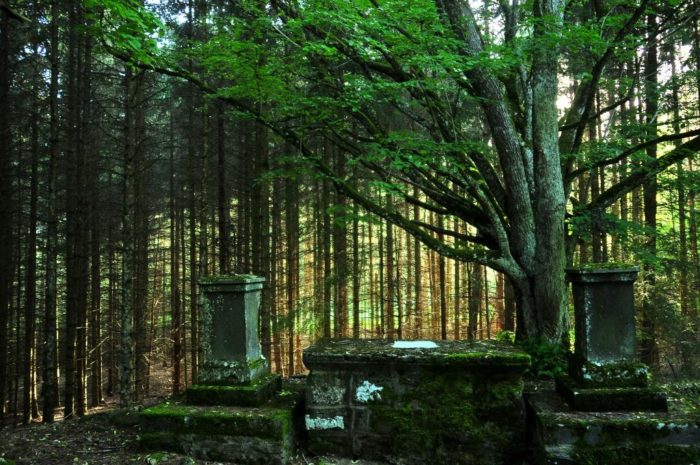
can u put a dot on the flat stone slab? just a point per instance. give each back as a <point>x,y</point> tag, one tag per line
<point>250,435</point>
<point>483,354</point>
<point>563,436</point>
<point>245,395</point>
<point>605,399</point>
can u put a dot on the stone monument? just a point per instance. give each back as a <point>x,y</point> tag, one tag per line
<point>604,372</point>
<point>237,412</point>
<point>231,339</point>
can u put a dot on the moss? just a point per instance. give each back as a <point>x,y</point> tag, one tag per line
<point>491,354</point>
<point>257,392</point>
<point>602,399</point>
<point>646,454</point>
<point>213,420</point>
<point>619,374</point>
<point>443,417</point>
<point>621,266</point>
<point>500,358</point>
<point>230,279</point>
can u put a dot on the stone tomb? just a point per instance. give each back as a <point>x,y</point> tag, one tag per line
<point>237,411</point>
<point>416,401</point>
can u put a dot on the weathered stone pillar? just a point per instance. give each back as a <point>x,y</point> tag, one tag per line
<point>230,338</point>
<point>604,372</point>
<point>604,314</point>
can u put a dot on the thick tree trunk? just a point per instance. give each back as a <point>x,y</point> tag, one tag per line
<point>544,295</point>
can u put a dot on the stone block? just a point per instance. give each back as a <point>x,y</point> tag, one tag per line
<point>604,399</point>
<point>611,375</point>
<point>256,435</point>
<point>604,313</point>
<point>230,336</point>
<point>254,394</point>
<point>454,402</point>
<point>561,435</point>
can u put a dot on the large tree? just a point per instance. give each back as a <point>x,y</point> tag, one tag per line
<point>491,146</point>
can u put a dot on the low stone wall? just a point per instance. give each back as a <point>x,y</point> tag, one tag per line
<point>441,402</point>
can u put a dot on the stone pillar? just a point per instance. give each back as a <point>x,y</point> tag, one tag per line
<point>604,372</point>
<point>604,314</point>
<point>230,338</point>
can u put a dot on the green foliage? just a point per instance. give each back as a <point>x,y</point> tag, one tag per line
<point>127,28</point>
<point>156,457</point>
<point>508,336</point>
<point>548,360</point>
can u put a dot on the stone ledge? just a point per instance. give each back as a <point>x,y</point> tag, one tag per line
<point>608,375</point>
<point>250,435</point>
<point>563,436</point>
<point>264,422</point>
<point>232,372</point>
<point>245,395</point>
<point>605,399</point>
<point>487,355</point>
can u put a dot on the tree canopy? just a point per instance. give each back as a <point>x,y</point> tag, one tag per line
<point>478,112</point>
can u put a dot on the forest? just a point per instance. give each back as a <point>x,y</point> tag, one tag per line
<point>394,169</point>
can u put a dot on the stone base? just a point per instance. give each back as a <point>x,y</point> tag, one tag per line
<point>608,375</point>
<point>562,436</point>
<point>243,395</point>
<point>232,372</point>
<point>606,399</point>
<point>250,435</point>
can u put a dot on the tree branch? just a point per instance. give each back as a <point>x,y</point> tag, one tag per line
<point>641,175</point>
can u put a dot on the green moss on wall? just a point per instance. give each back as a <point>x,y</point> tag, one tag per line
<point>443,417</point>
<point>642,454</point>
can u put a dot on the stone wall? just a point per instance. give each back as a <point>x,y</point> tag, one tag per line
<point>457,402</point>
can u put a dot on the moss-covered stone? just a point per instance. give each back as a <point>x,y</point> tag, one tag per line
<point>498,355</point>
<point>256,435</point>
<point>458,402</point>
<point>440,419</point>
<point>646,454</point>
<point>605,399</point>
<point>232,279</point>
<point>608,375</point>
<point>245,395</point>
<point>561,435</point>
<point>257,422</point>
<point>223,447</point>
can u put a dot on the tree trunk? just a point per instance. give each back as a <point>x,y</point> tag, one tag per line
<point>30,289</point>
<point>647,344</point>
<point>340,255</point>
<point>49,389</point>
<point>292,226</point>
